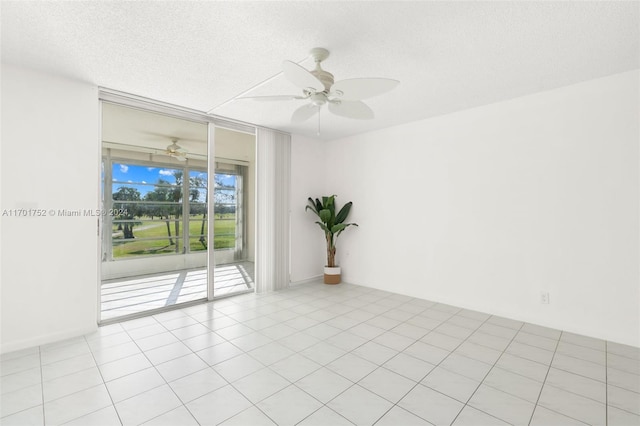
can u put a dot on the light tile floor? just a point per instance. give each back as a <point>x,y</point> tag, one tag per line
<point>323,355</point>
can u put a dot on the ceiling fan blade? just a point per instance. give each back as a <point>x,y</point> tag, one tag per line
<point>180,157</point>
<point>273,98</point>
<point>301,77</point>
<point>351,109</point>
<point>304,113</point>
<point>184,136</point>
<point>356,89</point>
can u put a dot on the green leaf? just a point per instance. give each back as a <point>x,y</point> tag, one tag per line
<point>323,226</point>
<point>325,215</point>
<point>339,227</point>
<point>330,223</point>
<point>344,212</point>
<point>346,225</point>
<point>311,206</point>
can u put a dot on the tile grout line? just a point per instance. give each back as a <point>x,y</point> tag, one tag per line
<point>441,361</point>
<point>568,391</point>
<point>485,376</point>
<point>323,405</point>
<point>300,298</point>
<point>606,382</point>
<point>436,365</point>
<point>450,352</point>
<point>104,383</point>
<point>44,418</point>
<point>558,368</point>
<point>561,369</point>
<point>208,366</point>
<point>349,352</point>
<point>359,323</point>
<point>264,366</point>
<point>545,380</point>
<point>81,390</point>
<point>39,367</point>
<point>346,352</point>
<point>156,370</point>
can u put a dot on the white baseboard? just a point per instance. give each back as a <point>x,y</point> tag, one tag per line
<point>306,280</point>
<point>44,339</point>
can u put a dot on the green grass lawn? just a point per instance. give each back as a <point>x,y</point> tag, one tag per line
<point>224,229</point>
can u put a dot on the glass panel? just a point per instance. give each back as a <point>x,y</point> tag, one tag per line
<point>225,211</point>
<point>234,204</point>
<point>123,249</point>
<point>198,234</point>
<point>145,237</point>
<point>154,242</point>
<point>224,232</point>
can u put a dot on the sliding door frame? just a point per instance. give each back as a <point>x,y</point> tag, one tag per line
<point>128,100</point>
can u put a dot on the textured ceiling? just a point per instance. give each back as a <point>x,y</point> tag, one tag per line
<point>448,56</point>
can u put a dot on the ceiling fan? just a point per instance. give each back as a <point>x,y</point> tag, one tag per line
<point>176,151</point>
<point>344,97</point>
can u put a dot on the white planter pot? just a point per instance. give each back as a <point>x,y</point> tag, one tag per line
<point>332,275</point>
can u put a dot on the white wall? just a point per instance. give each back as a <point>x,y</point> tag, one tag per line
<point>482,208</point>
<point>50,160</point>
<point>308,170</point>
<point>488,207</point>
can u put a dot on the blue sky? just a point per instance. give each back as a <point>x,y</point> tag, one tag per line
<point>143,178</point>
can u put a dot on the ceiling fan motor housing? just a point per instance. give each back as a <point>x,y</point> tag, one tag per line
<point>319,54</point>
<point>325,77</point>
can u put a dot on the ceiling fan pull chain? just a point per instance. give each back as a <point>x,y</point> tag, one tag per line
<point>318,120</point>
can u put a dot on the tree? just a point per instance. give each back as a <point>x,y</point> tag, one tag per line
<point>225,197</point>
<point>196,182</point>
<point>175,196</point>
<point>131,210</point>
<point>166,202</point>
<point>161,193</point>
<point>170,196</point>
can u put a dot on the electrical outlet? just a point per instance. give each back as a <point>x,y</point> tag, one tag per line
<point>544,297</point>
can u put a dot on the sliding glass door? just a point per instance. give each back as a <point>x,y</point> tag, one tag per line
<point>155,198</point>
<point>178,224</point>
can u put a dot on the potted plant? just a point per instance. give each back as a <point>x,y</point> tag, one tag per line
<point>332,224</point>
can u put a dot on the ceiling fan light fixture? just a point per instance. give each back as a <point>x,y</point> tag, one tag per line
<point>318,99</point>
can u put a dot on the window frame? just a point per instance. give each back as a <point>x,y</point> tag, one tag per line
<point>108,204</point>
